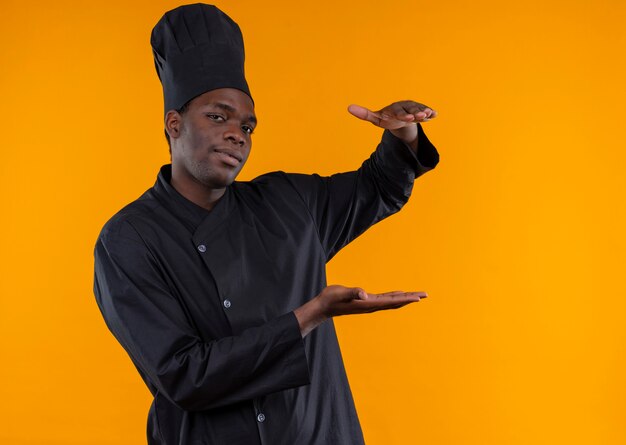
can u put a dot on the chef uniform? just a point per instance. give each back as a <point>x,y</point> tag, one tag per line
<point>202,301</point>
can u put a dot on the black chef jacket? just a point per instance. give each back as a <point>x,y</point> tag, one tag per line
<point>202,301</point>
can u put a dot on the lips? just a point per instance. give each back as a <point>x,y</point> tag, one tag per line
<point>230,156</point>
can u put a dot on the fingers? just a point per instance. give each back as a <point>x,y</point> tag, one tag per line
<point>399,293</point>
<point>419,112</point>
<point>396,115</point>
<point>407,111</point>
<point>393,292</point>
<point>388,300</point>
<point>339,300</point>
<point>400,111</point>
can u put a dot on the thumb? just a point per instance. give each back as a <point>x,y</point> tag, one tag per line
<point>364,114</point>
<point>359,294</point>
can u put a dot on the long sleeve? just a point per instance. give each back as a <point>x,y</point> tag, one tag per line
<point>344,205</point>
<point>148,320</point>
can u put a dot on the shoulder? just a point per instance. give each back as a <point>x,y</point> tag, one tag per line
<point>280,185</point>
<point>122,225</point>
<point>270,180</point>
<point>279,193</point>
<point>266,186</point>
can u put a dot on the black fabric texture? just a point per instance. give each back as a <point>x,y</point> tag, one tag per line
<point>197,48</point>
<point>203,302</point>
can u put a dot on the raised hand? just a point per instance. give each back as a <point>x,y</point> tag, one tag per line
<point>397,115</point>
<point>339,300</point>
<point>399,118</point>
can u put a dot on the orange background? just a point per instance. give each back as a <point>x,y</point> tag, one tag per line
<point>518,235</point>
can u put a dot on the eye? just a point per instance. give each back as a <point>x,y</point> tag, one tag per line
<point>248,129</point>
<point>215,117</point>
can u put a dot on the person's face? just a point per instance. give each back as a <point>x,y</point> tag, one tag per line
<point>211,141</point>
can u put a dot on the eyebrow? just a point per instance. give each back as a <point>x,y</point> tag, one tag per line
<point>250,118</point>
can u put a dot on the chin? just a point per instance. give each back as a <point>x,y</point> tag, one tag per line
<point>219,181</point>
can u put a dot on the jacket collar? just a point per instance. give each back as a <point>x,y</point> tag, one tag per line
<point>196,218</point>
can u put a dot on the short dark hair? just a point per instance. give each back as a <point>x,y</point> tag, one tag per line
<point>182,110</point>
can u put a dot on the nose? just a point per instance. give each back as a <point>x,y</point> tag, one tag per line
<point>233,134</point>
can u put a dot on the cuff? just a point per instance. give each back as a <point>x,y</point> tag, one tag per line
<point>426,157</point>
<point>296,369</point>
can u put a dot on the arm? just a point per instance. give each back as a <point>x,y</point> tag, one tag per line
<point>344,205</point>
<point>150,323</point>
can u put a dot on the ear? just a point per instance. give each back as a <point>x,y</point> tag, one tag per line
<point>173,124</point>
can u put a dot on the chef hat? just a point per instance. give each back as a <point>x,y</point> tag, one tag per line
<point>197,48</point>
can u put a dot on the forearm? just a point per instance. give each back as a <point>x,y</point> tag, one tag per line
<point>259,361</point>
<point>424,151</point>
<point>193,372</point>
<point>408,135</point>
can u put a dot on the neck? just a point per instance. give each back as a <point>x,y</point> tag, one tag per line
<point>196,192</point>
